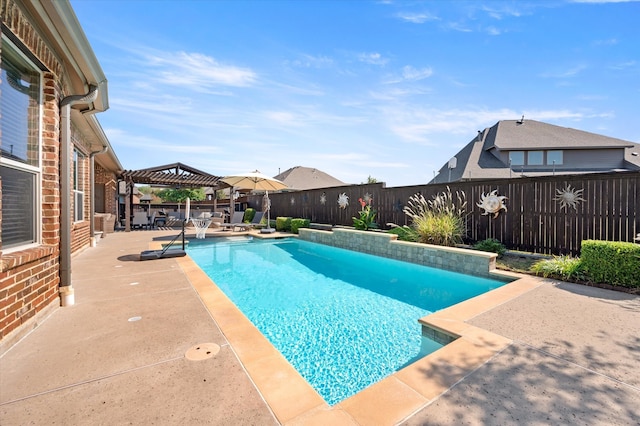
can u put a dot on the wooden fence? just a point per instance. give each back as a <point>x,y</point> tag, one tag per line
<point>535,220</point>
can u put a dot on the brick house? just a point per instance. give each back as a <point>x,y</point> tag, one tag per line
<point>57,167</point>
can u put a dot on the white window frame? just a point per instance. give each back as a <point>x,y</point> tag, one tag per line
<point>34,170</point>
<point>79,160</point>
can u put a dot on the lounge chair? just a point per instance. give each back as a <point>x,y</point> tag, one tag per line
<point>140,219</point>
<point>236,222</point>
<point>217,219</point>
<point>257,219</point>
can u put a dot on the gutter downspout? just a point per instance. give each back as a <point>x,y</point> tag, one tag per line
<point>92,201</point>
<point>66,290</point>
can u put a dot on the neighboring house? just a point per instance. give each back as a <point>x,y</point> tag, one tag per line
<point>514,148</point>
<point>56,165</point>
<point>301,178</point>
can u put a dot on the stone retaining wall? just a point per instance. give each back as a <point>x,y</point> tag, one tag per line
<point>470,262</point>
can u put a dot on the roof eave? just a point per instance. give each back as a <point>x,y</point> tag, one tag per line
<point>74,45</point>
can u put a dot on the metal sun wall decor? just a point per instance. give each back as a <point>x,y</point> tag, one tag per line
<point>492,203</point>
<point>367,198</point>
<point>293,200</point>
<point>323,199</point>
<point>343,200</point>
<point>569,197</point>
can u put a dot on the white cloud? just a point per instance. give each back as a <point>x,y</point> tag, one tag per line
<point>372,58</point>
<point>504,10</point>
<point>603,1</point>
<point>396,93</point>
<point>284,118</point>
<point>607,42</point>
<point>459,26</point>
<point>122,138</point>
<point>412,74</point>
<point>197,71</point>
<point>570,72</point>
<point>311,61</point>
<point>624,65</point>
<point>409,74</point>
<point>417,18</point>
<point>428,126</point>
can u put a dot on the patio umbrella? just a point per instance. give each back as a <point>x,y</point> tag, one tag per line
<point>256,181</point>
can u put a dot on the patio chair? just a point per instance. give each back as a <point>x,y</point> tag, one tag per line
<point>152,221</point>
<point>140,219</point>
<point>257,219</point>
<point>236,222</point>
<point>217,219</point>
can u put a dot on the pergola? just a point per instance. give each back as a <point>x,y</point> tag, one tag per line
<point>176,175</point>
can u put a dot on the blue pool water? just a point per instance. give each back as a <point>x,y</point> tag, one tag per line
<point>343,319</point>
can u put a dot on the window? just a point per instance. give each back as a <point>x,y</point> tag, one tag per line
<point>554,158</point>
<point>516,158</point>
<point>535,158</point>
<point>20,127</point>
<point>78,185</point>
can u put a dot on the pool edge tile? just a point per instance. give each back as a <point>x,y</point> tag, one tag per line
<point>395,398</point>
<point>323,416</point>
<point>286,392</point>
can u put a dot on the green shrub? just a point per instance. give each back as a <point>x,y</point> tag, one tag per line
<point>615,263</point>
<point>249,214</point>
<point>405,233</point>
<point>283,224</point>
<point>565,268</point>
<point>438,221</point>
<point>491,245</point>
<point>299,223</point>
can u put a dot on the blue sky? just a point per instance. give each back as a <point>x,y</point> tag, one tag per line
<point>388,89</point>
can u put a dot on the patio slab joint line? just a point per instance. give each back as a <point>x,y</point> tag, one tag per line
<point>582,367</point>
<point>467,374</point>
<point>97,379</point>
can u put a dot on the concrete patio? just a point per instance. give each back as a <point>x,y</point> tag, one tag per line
<point>130,351</point>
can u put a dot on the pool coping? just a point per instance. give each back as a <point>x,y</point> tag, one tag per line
<point>395,398</point>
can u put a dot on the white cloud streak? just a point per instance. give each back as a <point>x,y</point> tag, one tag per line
<point>372,58</point>
<point>197,71</point>
<point>417,18</point>
<point>570,72</point>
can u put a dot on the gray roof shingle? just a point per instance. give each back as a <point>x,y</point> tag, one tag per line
<point>476,161</point>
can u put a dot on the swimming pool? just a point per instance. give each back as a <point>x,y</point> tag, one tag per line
<point>343,319</point>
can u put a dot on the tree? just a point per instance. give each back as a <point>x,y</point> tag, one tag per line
<point>145,189</point>
<point>371,180</point>
<point>180,195</point>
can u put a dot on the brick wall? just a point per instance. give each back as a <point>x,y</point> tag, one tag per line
<point>80,235</point>
<point>29,279</point>
<point>29,285</point>
<point>104,177</point>
<point>384,244</point>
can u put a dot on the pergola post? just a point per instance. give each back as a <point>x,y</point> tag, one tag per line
<point>127,206</point>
